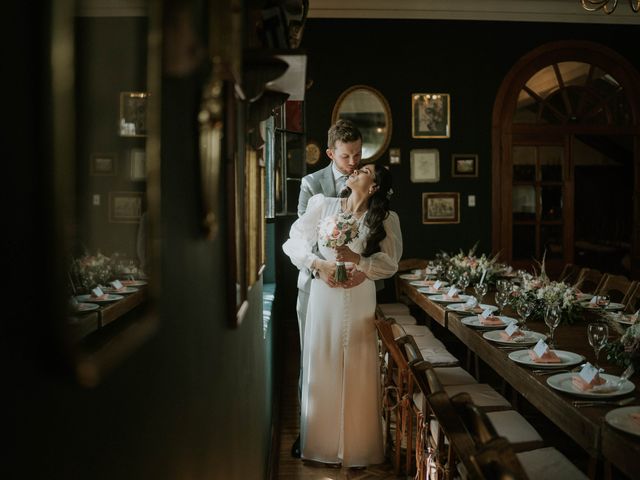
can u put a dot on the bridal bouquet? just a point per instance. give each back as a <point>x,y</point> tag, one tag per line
<point>336,231</point>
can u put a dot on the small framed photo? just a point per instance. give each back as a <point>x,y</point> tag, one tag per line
<point>430,115</point>
<point>133,114</point>
<point>440,208</point>
<point>464,165</point>
<point>425,165</point>
<point>103,164</point>
<point>125,207</point>
<point>138,164</point>
<point>394,156</point>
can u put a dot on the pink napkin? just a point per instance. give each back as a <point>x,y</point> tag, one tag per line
<point>580,384</point>
<point>490,320</point>
<point>453,297</point>
<point>635,417</point>
<point>549,357</point>
<point>504,336</point>
<point>101,297</point>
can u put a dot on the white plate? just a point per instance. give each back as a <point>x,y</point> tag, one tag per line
<point>425,283</point>
<point>121,291</point>
<point>108,297</point>
<point>428,291</point>
<point>622,319</point>
<point>461,307</point>
<point>443,299</point>
<point>611,306</point>
<point>567,359</point>
<point>411,276</point>
<point>474,322</point>
<point>621,418</point>
<point>85,307</point>
<point>530,338</point>
<point>562,382</point>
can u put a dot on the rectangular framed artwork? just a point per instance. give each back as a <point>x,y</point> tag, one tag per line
<point>103,164</point>
<point>440,208</point>
<point>425,165</point>
<point>430,115</point>
<point>125,207</point>
<point>464,165</point>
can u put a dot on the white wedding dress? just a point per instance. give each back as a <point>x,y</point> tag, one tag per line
<point>341,404</point>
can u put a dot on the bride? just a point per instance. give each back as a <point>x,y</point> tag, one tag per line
<point>341,422</point>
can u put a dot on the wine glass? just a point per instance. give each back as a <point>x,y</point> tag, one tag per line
<point>481,290</point>
<point>524,309</point>
<point>502,298</point>
<point>463,281</point>
<point>452,276</point>
<point>598,334</point>
<point>552,317</point>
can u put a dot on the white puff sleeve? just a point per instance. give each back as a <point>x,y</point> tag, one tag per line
<point>384,263</point>
<point>304,234</point>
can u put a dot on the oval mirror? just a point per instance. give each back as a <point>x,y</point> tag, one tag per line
<point>367,108</point>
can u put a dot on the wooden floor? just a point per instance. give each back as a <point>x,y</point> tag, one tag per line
<point>290,468</point>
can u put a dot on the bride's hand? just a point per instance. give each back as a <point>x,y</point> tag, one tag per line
<point>345,254</point>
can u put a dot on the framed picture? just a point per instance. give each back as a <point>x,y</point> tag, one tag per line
<point>464,165</point>
<point>430,115</point>
<point>425,165</point>
<point>103,164</point>
<point>125,207</point>
<point>138,164</point>
<point>441,207</point>
<point>394,156</point>
<point>133,114</point>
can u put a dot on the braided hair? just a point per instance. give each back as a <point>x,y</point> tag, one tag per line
<point>378,209</point>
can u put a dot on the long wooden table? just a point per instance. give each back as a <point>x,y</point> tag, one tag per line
<point>586,426</point>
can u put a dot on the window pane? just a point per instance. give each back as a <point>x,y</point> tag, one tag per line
<point>527,110</point>
<point>574,73</point>
<point>524,242</point>
<point>551,240</point>
<point>544,82</point>
<point>523,202</point>
<point>524,164</point>
<point>295,156</point>
<point>551,198</point>
<point>551,163</point>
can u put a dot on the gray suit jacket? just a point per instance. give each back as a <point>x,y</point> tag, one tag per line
<point>312,184</point>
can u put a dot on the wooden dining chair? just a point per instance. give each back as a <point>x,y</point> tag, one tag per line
<point>632,303</point>
<point>589,280</point>
<point>618,287</point>
<point>569,274</point>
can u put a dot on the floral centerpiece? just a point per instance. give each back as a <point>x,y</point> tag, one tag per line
<point>625,350</point>
<point>91,270</point>
<point>476,267</point>
<point>336,231</point>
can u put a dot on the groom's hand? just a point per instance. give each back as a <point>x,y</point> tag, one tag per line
<point>356,277</point>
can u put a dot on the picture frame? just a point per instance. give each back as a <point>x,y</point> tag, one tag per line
<point>103,164</point>
<point>430,115</point>
<point>138,164</point>
<point>440,207</point>
<point>394,156</point>
<point>464,165</point>
<point>125,207</point>
<point>425,165</point>
<point>133,114</point>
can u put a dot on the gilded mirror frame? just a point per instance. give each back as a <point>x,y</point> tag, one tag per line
<point>387,112</point>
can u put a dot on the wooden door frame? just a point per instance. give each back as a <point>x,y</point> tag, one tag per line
<point>502,129</point>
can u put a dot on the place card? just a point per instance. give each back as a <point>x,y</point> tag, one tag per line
<point>541,348</point>
<point>594,300</point>
<point>73,301</point>
<point>453,291</point>
<point>484,272</point>
<point>588,373</point>
<point>511,329</point>
<point>486,313</point>
<point>97,292</point>
<point>437,284</point>
<point>117,284</point>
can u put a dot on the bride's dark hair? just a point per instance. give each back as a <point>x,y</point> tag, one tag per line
<point>378,209</point>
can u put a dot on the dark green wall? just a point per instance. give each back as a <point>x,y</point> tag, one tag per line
<point>466,59</point>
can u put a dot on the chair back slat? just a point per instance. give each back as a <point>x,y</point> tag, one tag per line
<point>589,280</point>
<point>618,287</point>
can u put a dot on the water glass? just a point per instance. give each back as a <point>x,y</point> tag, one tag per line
<point>502,299</point>
<point>524,309</point>
<point>598,334</point>
<point>552,317</point>
<point>463,281</point>
<point>481,290</point>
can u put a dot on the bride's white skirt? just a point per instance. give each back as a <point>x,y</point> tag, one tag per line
<point>341,420</point>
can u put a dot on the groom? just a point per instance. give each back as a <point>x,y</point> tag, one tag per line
<point>344,148</point>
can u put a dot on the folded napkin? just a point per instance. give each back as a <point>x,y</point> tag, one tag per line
<point>635,418</point>
<point>514,336</point>
<point>104,296</point>
<point>476,309</point>
<point>451,297</point>
<point>548,357</point>
<point>596,385</point>
<point>490,320</point>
